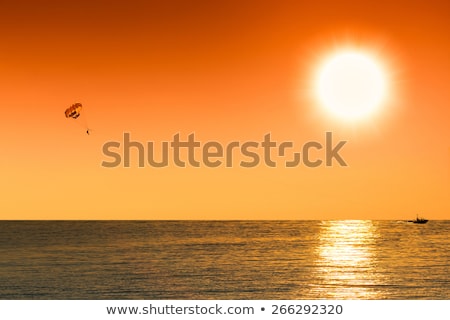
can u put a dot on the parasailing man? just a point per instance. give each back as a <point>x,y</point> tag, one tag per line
<point>74,111</point>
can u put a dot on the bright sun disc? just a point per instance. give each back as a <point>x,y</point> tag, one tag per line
<point>351,85</point>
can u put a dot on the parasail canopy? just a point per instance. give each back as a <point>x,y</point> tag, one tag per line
<point>74,111</point>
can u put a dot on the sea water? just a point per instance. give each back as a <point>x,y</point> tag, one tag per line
<point>348,259</point>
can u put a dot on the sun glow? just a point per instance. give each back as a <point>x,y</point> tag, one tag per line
<point>351,85</point>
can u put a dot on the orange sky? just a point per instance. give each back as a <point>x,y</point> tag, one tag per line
<point>226,71</point>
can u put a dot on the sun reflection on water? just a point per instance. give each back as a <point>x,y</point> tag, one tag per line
<point>346,260</point>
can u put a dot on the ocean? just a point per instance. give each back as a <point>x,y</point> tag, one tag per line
<point>269,260</point>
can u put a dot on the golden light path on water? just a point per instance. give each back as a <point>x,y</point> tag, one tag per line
<point>346,260</point>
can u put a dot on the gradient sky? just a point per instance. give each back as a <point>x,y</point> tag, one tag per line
<point>231,70</point>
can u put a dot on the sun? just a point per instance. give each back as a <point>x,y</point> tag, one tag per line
<point>351,85</point>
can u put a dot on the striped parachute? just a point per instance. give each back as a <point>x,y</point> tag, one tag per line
<point>74,111</point>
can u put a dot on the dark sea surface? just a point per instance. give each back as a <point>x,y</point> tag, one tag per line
<point>351,259</point>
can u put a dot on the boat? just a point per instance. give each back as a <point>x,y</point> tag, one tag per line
<point>419,220</point>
